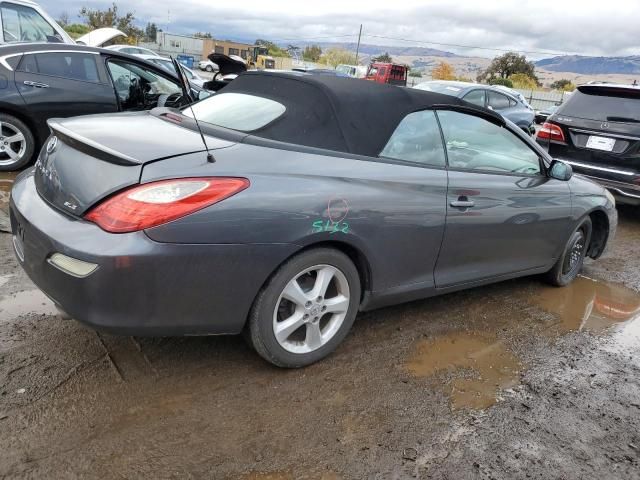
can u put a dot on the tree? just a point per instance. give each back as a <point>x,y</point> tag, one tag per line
<point>202,35</point>
<point>443,71</point>
<point>151,31</point>
<point>506,65</point>
<point>64,19</point>
<point>76,30</point>
<point>501,81</point>
<point>312,53</point>
<point>110,18</point>
<point>384,58</point>
<point>338,56</point>
<point>520,80</point>
<point>564,85</point>
<point>415,73</point>
<point>274,50</point>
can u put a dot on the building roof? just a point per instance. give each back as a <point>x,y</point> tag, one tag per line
<point>337,113</point>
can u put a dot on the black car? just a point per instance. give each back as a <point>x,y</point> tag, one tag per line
<point>597,131</point>
<point>41,81</point>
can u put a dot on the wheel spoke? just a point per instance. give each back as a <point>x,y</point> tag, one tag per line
<point>323,279</point>
<point>18,137</point>
<point>338,304</point>
<point>294,293</point>
<point>284,329</point>
<point>11,153</point>
<point>314,336</point>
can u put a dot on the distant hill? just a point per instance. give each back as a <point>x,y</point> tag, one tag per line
<point>373,50</point>
<point>591,65</point>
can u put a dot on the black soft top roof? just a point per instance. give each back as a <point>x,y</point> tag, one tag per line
<point>337,113</point>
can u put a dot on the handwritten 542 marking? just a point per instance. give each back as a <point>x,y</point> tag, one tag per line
<point>329,226</point>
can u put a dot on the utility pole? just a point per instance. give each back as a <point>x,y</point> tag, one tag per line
<point>358,47</point>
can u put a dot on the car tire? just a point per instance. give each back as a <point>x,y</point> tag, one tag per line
<point>306,308</point>
<point>569,265</point>
<point>21,149</point>
<point>209,68</point>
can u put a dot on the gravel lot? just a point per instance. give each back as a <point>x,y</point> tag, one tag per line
<point>514,380</point>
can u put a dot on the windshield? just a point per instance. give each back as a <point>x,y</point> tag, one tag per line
<point>437,87</point>
<point>622,108</point>
<point>237,111</point>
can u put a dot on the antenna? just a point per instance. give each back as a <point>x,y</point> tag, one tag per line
<point>186,91</point>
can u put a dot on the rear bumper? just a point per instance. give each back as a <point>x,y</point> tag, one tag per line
<point>140,287</point>
<point>624,191</point>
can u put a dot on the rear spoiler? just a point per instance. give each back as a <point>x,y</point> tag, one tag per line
<point>88,146</point>
<point>623,91</point>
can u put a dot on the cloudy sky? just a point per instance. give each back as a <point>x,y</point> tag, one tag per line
<point>585,27</point>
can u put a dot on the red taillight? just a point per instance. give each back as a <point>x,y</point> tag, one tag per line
<point>551,131</point>
<point>155,203</point>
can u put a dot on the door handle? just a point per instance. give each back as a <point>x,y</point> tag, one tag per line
<point>462,202</point>
<point>35,84</point>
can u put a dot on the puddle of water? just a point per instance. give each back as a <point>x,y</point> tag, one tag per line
<point>6,182</point>
<point>587,304</point>
<point>24,303</point>
<point>492,367</point>
<point>4,279</point>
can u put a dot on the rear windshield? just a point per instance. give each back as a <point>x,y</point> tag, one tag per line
<point>237,111</point>
<point>619,108</point>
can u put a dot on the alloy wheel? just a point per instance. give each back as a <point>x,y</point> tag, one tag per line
<point>12,144</point>
<point>574,253</point>
<point>311,309</point>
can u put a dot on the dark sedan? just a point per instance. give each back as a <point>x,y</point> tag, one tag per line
<point>493,98</point>
<point>597,131</point>
<point>316,197</point>
<point>46,80</point>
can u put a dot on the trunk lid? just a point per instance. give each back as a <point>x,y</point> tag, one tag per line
<point>88,158</point>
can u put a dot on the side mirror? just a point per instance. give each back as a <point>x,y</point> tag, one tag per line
<point>560,170</point>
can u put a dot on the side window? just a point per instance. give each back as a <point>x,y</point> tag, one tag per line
<point>512,102</point>
<point>139,88</point>
<point>498,101</point>
<point>476,97</point>
<point>24,24</point>
<point>383,70</point>
<point>71,65</point>
<point>417,139</point>
<point>474,143</point>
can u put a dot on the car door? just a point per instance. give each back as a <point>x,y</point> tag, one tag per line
<point>504,214</point>
<point>63,84</point>
<point>140,86</point>
<point>477,96</point>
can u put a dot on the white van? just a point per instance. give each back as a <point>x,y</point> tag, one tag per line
<point>26,21</point>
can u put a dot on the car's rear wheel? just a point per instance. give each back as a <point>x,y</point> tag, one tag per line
<point>16,143</point>
<point>209,68</point>
<point>570,262</point>
<point>306,308</point>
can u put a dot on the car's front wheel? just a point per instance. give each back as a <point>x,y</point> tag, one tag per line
<point>16,143</point>
<point>306,309</point>
<point>570,262</point>
<point>209,68</point>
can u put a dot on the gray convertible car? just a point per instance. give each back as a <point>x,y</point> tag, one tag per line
<point>316,197</point>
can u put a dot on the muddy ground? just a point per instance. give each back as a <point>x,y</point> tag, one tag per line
<point>515,380</point>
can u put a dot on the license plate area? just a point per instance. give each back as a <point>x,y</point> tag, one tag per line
<point>604,144</point>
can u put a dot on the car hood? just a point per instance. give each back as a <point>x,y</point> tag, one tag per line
<point>100,36</point>
<point>131,138</point>
<point>227,64</point>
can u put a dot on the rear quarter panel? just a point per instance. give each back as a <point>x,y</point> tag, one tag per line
<point>393,214</point>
